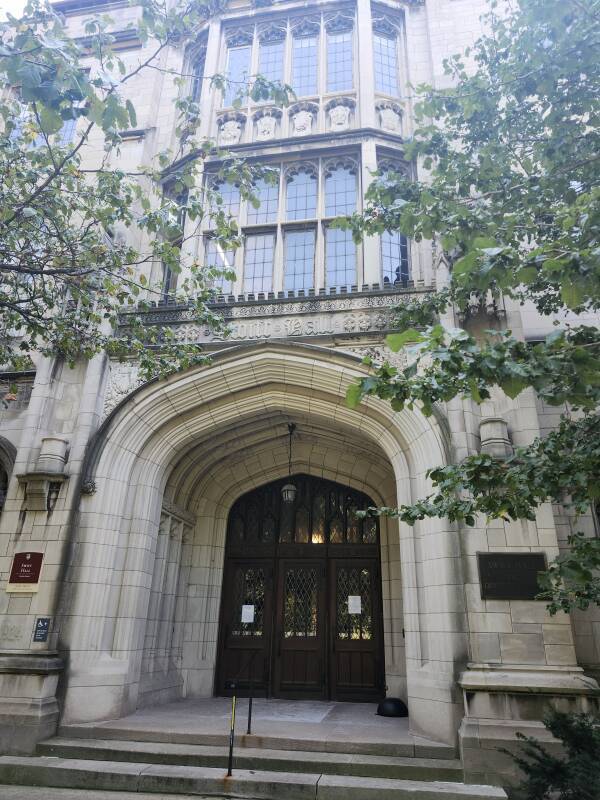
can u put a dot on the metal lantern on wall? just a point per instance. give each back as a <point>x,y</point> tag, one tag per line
<point>288,491</point>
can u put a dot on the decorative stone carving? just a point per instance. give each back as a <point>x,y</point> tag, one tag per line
<point>379,353</point>
<point>230,129</point>
<point>339,118</point>
<point>390,117</point>
<point>302,121</point>
<point>123,379</point>
<point>239,36</point>
<point>306,26</point>
<point>272,32</point>
<point>303,115</point>
<point>495,439</point>
<point>340,21</point>
<point>385,25</point>
<point>266,125</point>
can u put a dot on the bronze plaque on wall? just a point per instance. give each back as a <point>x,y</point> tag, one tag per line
<point>510,576</point>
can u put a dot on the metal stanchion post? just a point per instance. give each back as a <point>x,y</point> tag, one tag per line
<point>231,734</point>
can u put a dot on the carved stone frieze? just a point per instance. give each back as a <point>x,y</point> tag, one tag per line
<point>378,354</point>
<point>122,380</point>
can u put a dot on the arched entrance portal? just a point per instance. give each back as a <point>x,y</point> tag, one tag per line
<point>301,611</point>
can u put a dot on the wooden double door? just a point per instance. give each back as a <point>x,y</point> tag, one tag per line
<point>301,610</point>
<point>312,629</point>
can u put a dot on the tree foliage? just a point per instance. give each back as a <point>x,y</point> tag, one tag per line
<point>510,157</point>
<point>573,776</point>
<point>66,268</point>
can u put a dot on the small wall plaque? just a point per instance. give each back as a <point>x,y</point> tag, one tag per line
<point>25,572</point>
<point>510,576</point>
<point>41,629</point>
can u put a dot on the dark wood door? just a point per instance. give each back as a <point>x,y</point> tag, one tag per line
<point>356,670</point>
<point>245,641</point>
<point>296,565</point>
<point>300,630</point>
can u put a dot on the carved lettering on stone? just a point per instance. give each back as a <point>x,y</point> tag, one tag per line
<point>339,118</point>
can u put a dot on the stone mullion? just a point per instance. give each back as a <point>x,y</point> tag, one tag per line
<point>365,75</point>
<point>371,249</point>
<point>209,94</point>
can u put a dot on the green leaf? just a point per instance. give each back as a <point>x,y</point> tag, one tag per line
<point>513,386</point>
<point>131,112</point>
<point>396,341</point>
<point>572,294</point>
<point>354,395</point>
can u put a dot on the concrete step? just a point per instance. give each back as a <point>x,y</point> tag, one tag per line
<point>249,758</point>
<point>260,785</point>
<point>121,731</point>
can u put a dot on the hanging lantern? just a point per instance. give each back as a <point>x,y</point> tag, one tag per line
<point>288,492</point>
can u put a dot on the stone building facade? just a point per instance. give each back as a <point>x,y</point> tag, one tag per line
<point>141,496</point>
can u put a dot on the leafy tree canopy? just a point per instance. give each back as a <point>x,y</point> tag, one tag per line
<point>66,270</point>
<point>510,193</point>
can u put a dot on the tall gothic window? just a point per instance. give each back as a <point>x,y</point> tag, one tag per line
<point>238,72</point>
<point>270,60</point>
<point>198,65</point>
<point>299,259</point>
<point>219,259</point>
<point>339,61</point>
<point>226,199</point>
<point>305,63</point>
<point>385,53</point>
<point>258,262</point>
<point>302,195</point>
<point>394,258</point>
<point>268,196</point>
<point>340,191</point>
<point>340,257</point>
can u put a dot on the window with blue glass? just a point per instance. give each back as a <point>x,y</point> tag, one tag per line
<point>340,190</point>
<point>394,258</point>
<point>385,54</point>
<point>270,60</point>
<point>339,61</point>
<point>267,195</point>
<point>258,262</point>
<point>238,73</point>
<point>305,61</point>
<point>301,194</point>
<point>340,258</point>
<point>299,260</point>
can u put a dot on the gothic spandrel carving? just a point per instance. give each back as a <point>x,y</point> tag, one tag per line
<point>230,131</point>
<point>266,127</point>
<point>302,121</point>
<point>390,117</point>
<point>339,118</point>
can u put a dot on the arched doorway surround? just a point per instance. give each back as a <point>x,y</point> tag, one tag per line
<point>301,607</point>
<point>152,434</point>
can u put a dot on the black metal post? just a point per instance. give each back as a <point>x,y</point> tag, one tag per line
<point>231,734</point>
<point>249,730</point>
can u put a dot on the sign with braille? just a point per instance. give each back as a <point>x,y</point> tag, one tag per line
<point>247,613</point>
<point>510,576</point>
<point>41,629</point>
<point>25,572</point>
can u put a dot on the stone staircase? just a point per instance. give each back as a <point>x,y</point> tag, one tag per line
<point>264,768</point>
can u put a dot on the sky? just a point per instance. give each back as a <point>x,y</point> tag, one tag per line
<point>13,6</point>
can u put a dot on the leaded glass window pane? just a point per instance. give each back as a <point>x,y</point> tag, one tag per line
<point>302,196</point>
<point>386,64</point>
<point>238,72</point>
<point>258,263</point>
<point>268,194</point>
<point>394,257</point>
<point>339,61</point>
<point>225,197</point>
<point>299,260</point>
<point>304,65</point>
<point>340,192</point>
<point>249,589</point>
<point>218,258</point>
<point>353,582</point>
<point>300,603</point>
<point>198,73</point>
<point>270,60</point>
<point>340,257</point>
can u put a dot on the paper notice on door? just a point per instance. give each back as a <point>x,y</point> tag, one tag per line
<point>354,604</point>
<point>248,613</point>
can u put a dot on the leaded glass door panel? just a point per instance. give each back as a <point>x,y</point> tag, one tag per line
<point>300,637</point>
<point>356,668</point>
<point>246,626</point>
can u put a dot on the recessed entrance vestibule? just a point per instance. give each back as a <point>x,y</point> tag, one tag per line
<point>301,611</point>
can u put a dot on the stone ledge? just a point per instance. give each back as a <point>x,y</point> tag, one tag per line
<point>30,663</point>
<point>516,679</point>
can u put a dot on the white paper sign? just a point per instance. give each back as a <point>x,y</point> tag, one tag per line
<point>354,604</point>
<point>247,613</point>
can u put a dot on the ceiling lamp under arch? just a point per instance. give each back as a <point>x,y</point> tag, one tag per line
<point>288,491</point>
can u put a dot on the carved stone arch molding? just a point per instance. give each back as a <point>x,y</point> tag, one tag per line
<point>341,162</point>
<point>236,37</point>
<point>296,167</point>
<point>340,21</point>
<point>305,26</point>
<point>386,25</point>
<point>272,31</point>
